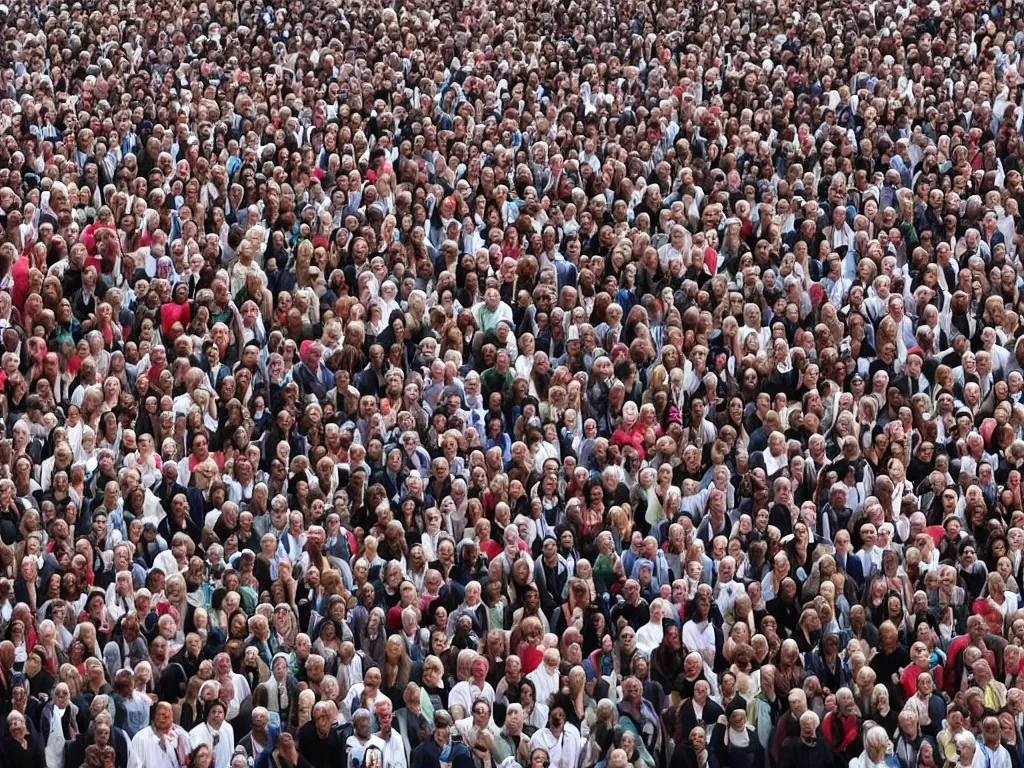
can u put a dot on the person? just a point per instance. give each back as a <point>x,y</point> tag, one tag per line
<point>734,742</point>
<point>319,742</point>
<point>362,738</point>
<point>285,753</point>
<point>691,752</point>
<point>809,750</point>
<point>58,725</point>
<point>162,744</point>
<point>22,746</point>
<point>394,752</point>
<point>216,734</point>
<point>262,736</point>
<point>441,748</point>
<point>876,751</point>
<point>560,739</point>
<point>510,319</point>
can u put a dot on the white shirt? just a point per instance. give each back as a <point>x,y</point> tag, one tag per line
<point>241,688</point>
<point>394,750</point>
<point>224,737</point>
<point>354,748</point>
<point>997,758</point>
<point>563,751</point>
<point>649,637</point>
<point>146,750</point>
<point>870,560</point>
<point>466,692</point>
<point>698,637</point>
<point>351,673</point>
<point>1009,606</point>
<point>728,591</point>
<point>167,562</point>
<point>545,683</point>
<point>55,741</point>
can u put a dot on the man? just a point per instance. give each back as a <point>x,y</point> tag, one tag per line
<point>441,749</point>
<point>468,691</point>
<point>788,726</point>
<point>224,674</point>
<point>634,609</point>
<point>365,694</point>
<point>361,738</point>
<point>162,744</point>
<point>128,647</point>
<point>311,375</point>
<point>551,574</point>
<point>262,736</point>
<point>58,726</point>
<point>995,754</point>
<point>319,742</point>
<point>692,753</point>
<point>218,735</point>
<point>394,745</point>
<point>870,556</point>
<point>559,738</point>
<point>546,677</point>
<point>808,751</point>
<point>102,733</point>
<point>285,752</point>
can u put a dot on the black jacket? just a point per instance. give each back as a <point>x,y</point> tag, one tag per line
<point>321,753</point>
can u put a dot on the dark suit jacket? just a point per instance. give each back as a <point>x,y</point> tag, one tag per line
<point>686,717</point>
<point>392,487</point>
<point>428,755</point>
<point>196,506</point>
<point>309,384</point>
<point>851,566</point>
<point>74,751</point>
<point>246,742</point>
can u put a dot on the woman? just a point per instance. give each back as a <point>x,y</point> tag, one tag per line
<point>607,570</point>
<point>952,730</point>
<point>432,682</point>
<point>637,755</point>
<point>841,726</point>
<point>876,751</point>
<point>881,713</point>
<point>21,747</point>
<point>201,757</point>
<point>397,668</point>
<point>734,743</point>
<point>972,570</point>
<point>999,598</point>
<point>284,755</point>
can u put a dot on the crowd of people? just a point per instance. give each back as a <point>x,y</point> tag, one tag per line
<point>486,384</point>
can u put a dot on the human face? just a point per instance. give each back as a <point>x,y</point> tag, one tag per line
<point>163,719</point>
<point>442,736</point>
